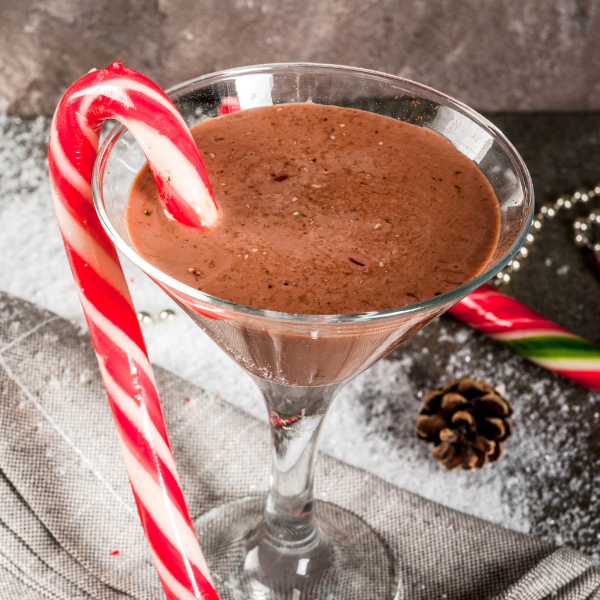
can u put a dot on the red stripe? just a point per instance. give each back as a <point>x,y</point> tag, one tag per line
<point>587,378</point>
<point>140,448</point>
<point>171,556</point>
<point>107,299</point>
<point>105,293</point>
<point>75,145</point>
<point>495,313</point>
<point>141,389</point>
<point>80,209</point>
<point>61,181</point>
<point>162,120</point>
<point>138,387</point>
<point>105,296</point>
<point>229,104</point>
<point>170,595</point>
<point>175,204</point>
<point>140,393</point>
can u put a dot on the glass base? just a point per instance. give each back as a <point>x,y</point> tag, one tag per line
<point>347,559</point>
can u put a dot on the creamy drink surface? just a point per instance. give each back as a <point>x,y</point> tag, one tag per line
<point>324,210</point>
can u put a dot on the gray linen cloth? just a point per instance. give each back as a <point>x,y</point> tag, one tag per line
<point>68,524</point>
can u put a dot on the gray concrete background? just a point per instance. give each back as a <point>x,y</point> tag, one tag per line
<point>496,55</point>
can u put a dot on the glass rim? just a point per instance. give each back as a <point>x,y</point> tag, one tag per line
<point>221,304</point>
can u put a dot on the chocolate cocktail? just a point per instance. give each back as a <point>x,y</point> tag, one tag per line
<point>355,208</point>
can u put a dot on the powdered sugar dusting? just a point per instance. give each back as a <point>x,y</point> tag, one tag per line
<point>545,482</point>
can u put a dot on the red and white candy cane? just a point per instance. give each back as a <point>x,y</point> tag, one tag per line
<point>530,334</point>
<point>122,94</point>
<point>229,104</point>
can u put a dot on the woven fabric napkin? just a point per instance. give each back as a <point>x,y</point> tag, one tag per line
<point>68,524</point>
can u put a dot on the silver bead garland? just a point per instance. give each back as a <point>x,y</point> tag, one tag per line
<point>582,229</point>
<point>164,315</point>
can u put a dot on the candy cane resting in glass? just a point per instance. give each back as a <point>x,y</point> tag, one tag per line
<point>286,545</point>
<point>122,94</point>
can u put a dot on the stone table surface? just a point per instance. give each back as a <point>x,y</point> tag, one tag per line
<point>546,482</point>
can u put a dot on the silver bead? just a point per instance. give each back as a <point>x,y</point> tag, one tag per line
<point>516,265</point>
<point>537,224</point>
<point>144,317</point>
<point>596,249</point>
<point>582,240</point>
<point>581,195</point>
<point>529,239</point>
<point>568,204</point>
<point>544,210</point>
<point>500,275</point>
<point>594,216</point>
<point>505,278</point>
<point>597,190</point>
<point>524,252</point>
<point>166,315</point>
<point>550,213</point>
<point>559,203</point>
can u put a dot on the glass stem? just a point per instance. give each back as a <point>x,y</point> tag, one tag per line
<point>295,414</point>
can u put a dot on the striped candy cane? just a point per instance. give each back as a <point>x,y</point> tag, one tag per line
<point>530,334</point>
<point>123,94</point>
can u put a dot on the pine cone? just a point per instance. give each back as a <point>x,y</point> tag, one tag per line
<point>467,420</point>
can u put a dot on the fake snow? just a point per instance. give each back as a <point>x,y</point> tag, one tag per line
<point>546,482</point>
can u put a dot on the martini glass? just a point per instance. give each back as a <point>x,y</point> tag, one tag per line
<point>286,545</point>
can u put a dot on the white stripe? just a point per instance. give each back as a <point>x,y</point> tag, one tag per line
<point>118,337</point>
<point>568,364</point>
<point>507,336</point>
<point>162,510</point>
<point>117,90</point>
<point>168,160</point>
<point>82,119</point>
<point>181,593</point>
<point>157,97</point>
<point>90,251</point>
<point>132,411</point>
<point>68,170</point>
